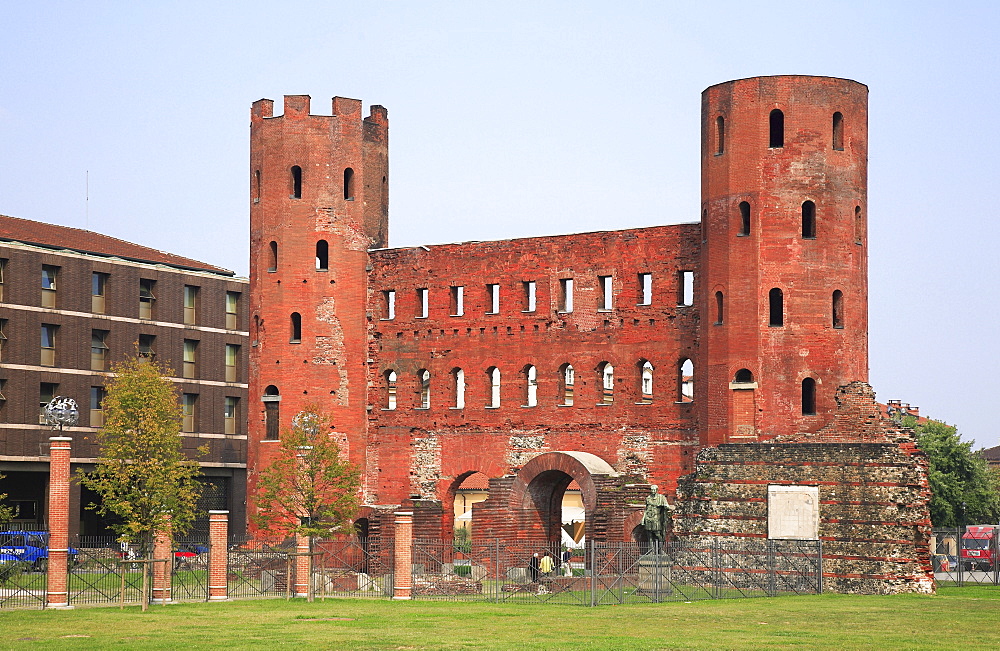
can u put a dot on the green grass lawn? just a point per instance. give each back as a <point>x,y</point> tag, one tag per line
<point>955,618</point>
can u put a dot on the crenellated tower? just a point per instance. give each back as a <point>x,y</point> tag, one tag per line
<point>319,201</point>
<point>783,286</point>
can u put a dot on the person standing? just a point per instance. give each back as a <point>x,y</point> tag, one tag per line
<point>567,556</point>
<point>546,566</point>
<point>533,568</point>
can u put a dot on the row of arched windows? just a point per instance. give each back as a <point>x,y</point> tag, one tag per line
<point>776,308</point>
<point>295,183</point>
<point>322,256</point>
<point>776,131</point>
<point>808,221</point>
<point>566,394</point>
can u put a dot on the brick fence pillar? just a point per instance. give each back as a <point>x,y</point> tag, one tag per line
<point>162,572</point>
<point>403,579</point>
<point>218,555</point>
<point>59,452</point>
<point>303,565</point>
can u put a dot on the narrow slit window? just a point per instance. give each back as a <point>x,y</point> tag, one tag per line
<point>720,135</point>
<point>720,313</point>
<point>424,377</point>
<point>838,309</point>
<point>838,131</point>
<point>565,294</point>
<point>272,256</point>
<point>422,303</point>
<point>776,308</point>
<point>744,219</point>
<point>776,122</point>
<point>808,220</point>
<point>256,186</point>
<point>493,376</point>
<point>607,296</point>
<point>646,382</point>
<point>685,381</point>
<point>390,390</point>
<point>458,377</point>
<point>568,378</point>
<point>348,184</point>
<point>808,396</point>
<point>859,226</point>
<point>606,378</point>
<point>493,296</point>
<point>529,295</point>
<point>457,300</point>
<point>296,182</point>
<point>322,256</point>
<point>530,386</point>
<point>272,400</point>
<point>296,333</point>
<point>389,304</point>
<point>645,289</point>
<point>685,288</point>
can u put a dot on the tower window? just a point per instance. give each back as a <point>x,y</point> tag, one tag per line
<point>348,184</point>
<point>322,256</point>
<point>272,258</point>
<point>422,302</point>
<point>530,386</point>
<point>776,308</point>
<point>719,308</point>
<point>645,289</point>
<point>744,219</point>
<point>720,135</point>
<point>390,390</point>
<point>808,396</point>
<point>838,309</point>
<point>529,295</point>
<point>424,377</point>
<point>568,378</point>
<point>685,381</point>
<point>606,377</point>
<point>296,334</point>
<point>859,226</point>
<point>296,182</point>
<point>457,300</point>
<point>493,375</point>
<point>776,122</point>
<point>646,382</point>
<point>838,131</point>
<point>389,300</point>
<point>607,294</point>
<point>565,294</point>
<point>493,295</point>
<point>272,399</point>
<point>458,377</point>
<point>685,288</point>
<point>256,186</point>
<point>808,220</point>
<point>743,376</point>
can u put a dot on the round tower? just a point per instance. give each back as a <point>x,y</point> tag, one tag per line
<point>319,201</point>
<point>784,284</point>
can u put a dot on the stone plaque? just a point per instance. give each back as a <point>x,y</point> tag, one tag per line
<point>793,512</point>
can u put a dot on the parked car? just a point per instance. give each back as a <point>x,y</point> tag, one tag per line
<point>28,547</point>
<point>979,547</point>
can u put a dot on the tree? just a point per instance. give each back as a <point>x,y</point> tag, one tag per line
<point>7,513</point>
<point>142,475</point>
<point>308,489</point>
<point>964,489</point>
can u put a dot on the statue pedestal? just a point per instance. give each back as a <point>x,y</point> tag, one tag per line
<point>654,576</point>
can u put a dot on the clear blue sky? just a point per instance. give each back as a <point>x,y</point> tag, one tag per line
<point>526,118</point>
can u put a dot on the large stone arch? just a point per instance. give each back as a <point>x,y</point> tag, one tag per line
<point>581,466</point>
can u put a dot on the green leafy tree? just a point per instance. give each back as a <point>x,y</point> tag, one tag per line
<point>142,475</point>
<point>958,476</point>
<point>308,489</point>
<point>7,513</point>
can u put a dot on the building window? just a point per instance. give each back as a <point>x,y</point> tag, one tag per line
<point>457,300</point>
<point>272,399</point>
<point>190,359</point>
<point>231,415</point>
<point>776,122</point>
<point>776,308</point>
<point>46,392</point>
<point>607,293</point>
<point>98,288</point>
<point>720,135</point>
<point>256,186</point>
<point>838,309</point>
<point>458,378</point>
<point>743,376</point>
<point>189,412</point>
<point>529,295</point>
<point>96,410</point>
<point>685,288</point>
<point>3,399</point>
<point>493,296</point>
<point>146,343</point>
<point>3,268</point>
<point>565,294</point>
<point>808,220</point>
<point>190,305</point>
<point>98,350</point>
<point>859,226</point>
<point>424,378</point>
<point>390,390</point>
<point>808,396</point>
<point>3,340</point>
<point>568,378</point>
<point>493,377</point>
<point>272,256</point>
<point>348,184</point>
<point>147,300</point>
<point>296,182</point>
<point>232,362</point>
<point>646,382</point>
<point>685,381</point>
<point>232,310</point>
<point>645,289</point>
<point>744,219</point>
<point>838,131</point>
<point>49,344</point>
<point>389,304</point>
<point>49,274</point>
<point>606,379</point>
<point>422,303</point>
<point>322,255</point>
<point>530,386</point>
<point>719,308</point>
<point>296,329</point>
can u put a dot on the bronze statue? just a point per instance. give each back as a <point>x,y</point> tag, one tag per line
<point>655,519</point>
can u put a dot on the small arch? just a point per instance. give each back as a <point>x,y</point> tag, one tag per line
<point>458,382</point>
<point>808,396</point>
<point>272,256</point>
<point>424,379</point>
<point>493,378</point>
<point>719,308</point>
<point>322,255</point>
<point>296,329</point>
<point>296,182</point>
<point>385,194</point>
<point>256,186</point>
<point>720,135</point>
<point>530,374</point>
<point>776,122</point>
<point>685,380</point>
<point>743,376</point>
<point>776,307</point>
<point>606,379</point>
<point>859,226</point>
<point>272,400</point>
<point>808,220</point>
<point>348,184</point>
<point>390,389</point>
<point>744,219</point>
<point>567,382</point>
<point>838,308</point>
<point>645,381</point>
<point>838,131</point>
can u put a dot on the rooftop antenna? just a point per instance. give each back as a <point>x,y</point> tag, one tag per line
<point>86,202</point>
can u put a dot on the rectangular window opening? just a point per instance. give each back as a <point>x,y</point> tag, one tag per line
<point>493,293</point>
<point>423,303</point>
<point>146,343</point>
<point>457,300</point>
<point>190,359</point>
<point>189,413</point>
<point>645,289</point>
<point>49,274</point>
<point>98,287</point>
<point>147,299</point>
<point>231,414</point>
<point>232,310</point>
<point>565,294</point>
<point>48,357</point>
<point>232,359</point>
<point>389,304</point>
<point>607,301</point>
<point>529,295</point>
<point>685,288</point>
<point>98,350</point>
<point>46,392</point>
<point>96,410</point>
<point>190,305</point>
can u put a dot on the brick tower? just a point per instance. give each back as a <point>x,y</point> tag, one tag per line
<point>783,286</point>
<point>319,201</point>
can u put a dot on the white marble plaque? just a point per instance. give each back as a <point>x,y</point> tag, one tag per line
<point>793,512</point>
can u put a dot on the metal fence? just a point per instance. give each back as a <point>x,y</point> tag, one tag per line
<point>968,557</point>
<point>189,570</point>
<point>616,573</point>
<point>22,585</point>
<point>353,568</point>
<point>99,572</point>
<point>259,569</point>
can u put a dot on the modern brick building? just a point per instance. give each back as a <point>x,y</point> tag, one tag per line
<point>72,303</point>
<point>609,358</point>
